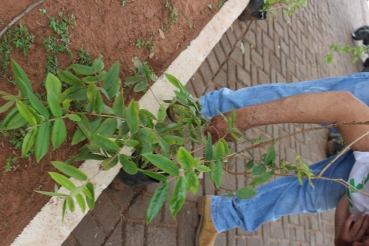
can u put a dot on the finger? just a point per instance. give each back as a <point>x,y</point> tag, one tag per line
<point>363,229</point>
<point>357,225</point>
<point>348,223</point>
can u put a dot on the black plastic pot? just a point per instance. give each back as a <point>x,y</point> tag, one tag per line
<point>124,179</point>
<point>252,11</point>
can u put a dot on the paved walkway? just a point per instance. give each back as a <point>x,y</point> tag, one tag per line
<point>288,50</point>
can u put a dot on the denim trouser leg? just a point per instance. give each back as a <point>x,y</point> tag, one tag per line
<point>224,99</point>
<point>283,196</point>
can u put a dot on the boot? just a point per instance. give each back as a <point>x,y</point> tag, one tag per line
<point>206,232</point>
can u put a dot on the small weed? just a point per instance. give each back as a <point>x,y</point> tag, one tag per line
<point>184,14</point>
<point>9,163</point>
<point>18,36</point>
<point>42,11</point>
<point>123,2</point>
<point>5,224</point>
<point>17,141</point>
<point>53,45</point>
<point>252,45</point>
<point>221,3</point>
<point>172,17</point>
<point>1,21</point>
<point>190,25</point>
<point>210,6</point>
<point>79,106</point>
<point>84,57</point>
<point>148,44</point>
<point>143,75</point>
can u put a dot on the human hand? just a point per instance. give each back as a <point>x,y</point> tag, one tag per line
<point>352,231</point>
<point>218,128</point>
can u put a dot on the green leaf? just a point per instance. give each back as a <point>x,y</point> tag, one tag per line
<point>6,106</point>
<point>98,65</point>
<point>51,193</point>
<point>38,105</point>
<point>156,202</point>
<point>219,151</point>
<point>209,148</point>
<point>185,159</point>
<point>163,163</point>
<point>69,78</point>
<point>162,113</point>
<point>81,69</point>
<point>90,200</point>
<point>249,164</point>
<point>140,86</point>
<point>202,168</point>
<point>59,133</point>
<point>62,180</point>
<point>270,156</point>
<point>21,79</point>
<point>70,203</point>
<point>109,163</point>
<point>104,143</point>
<point>26,113</point>
<point>76,191</point>
<point>262,178</point>
<point>64,209</point>
<point>16,121</point>
<point>53,89</point>
<point>29,141</point>
<point>154,175</point>
<point>118,105</point>
<point>246,193</point>
<point>70,170</point>
<point>132,80</point>
<point>174,81</point>
<point>42,141</point>
<point>81,202</point>
<point>258,169</point>
<point>192,182</point>
<point>112,75</point>
<point>90,79</point>
<point>131,143</point>
<point>133,120</point>
<point>178,196</point>
<point>148,136</point>
<point>74,117</point>
<point>218,173</point>
<point>107,127</point>
<point>147,114</point>
<point>128,165</point>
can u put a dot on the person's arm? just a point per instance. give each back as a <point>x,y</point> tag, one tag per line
<point>324,107</point>
<point>346,230</point>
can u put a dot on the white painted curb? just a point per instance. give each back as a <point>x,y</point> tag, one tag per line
<point>46,227</point>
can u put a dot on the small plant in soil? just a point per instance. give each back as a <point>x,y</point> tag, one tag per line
<point>84,58</point>
<point>147,44</point>
<point>9,164</point>
<point>143,76</point>
<point>20,38</point>
<point>54,45</point>
<point>172,16</point>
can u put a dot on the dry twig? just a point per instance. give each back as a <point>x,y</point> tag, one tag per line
<point>20,16</point>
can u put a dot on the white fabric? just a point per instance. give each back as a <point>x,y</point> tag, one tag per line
<point>359,177</point>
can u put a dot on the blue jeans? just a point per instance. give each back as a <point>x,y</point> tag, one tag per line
<point>283,196</point>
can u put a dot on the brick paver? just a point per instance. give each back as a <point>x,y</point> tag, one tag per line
<point>288,50</point>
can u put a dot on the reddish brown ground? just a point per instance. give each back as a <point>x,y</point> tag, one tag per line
<point>105,28</point>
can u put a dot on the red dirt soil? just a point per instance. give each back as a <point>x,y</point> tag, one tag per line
<point>108,29</point>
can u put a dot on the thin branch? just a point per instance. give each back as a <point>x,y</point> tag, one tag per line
<point>20,16</point>
<point>340,154</point>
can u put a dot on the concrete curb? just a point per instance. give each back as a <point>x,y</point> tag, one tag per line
<point>46,227</point>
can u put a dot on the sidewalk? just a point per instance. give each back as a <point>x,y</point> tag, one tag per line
<point>288,50</point>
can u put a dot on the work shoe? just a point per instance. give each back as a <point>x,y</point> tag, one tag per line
<point>206,232</point>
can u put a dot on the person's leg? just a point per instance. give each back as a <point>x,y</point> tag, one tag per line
<point>224,99</point>
<point>283,196</point>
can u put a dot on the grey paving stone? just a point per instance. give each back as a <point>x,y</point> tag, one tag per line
<point>133,234</point>
<point>106,212</point>
<point>87,233</point>
<point>116,237</point>
<point>158,235</point>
